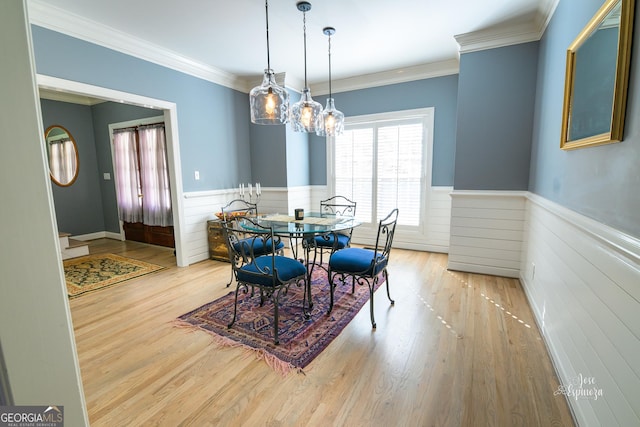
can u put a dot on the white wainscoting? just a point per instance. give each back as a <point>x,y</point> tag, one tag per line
<point>486,232</point>
<point>274,200</point>
<point>434,237</point>
<point>199,207</point>
<point>300,197</point>
<point>438,220</point>
<point>582,280</point>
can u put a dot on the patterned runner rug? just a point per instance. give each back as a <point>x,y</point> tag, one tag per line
<point>301,340</point>
<point>93,272</point>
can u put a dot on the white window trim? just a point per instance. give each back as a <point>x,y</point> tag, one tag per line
<point>405,236</point>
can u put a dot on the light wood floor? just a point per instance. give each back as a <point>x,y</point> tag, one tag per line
<point>457,349</point>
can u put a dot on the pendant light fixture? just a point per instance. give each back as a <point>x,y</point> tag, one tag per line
<point>304,113</point>
<point>331,121</point>
<point>269,102</point>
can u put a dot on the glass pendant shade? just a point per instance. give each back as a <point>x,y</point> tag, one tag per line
<point>269,102</point>
<point>304,113</point>
<point>331,121</point>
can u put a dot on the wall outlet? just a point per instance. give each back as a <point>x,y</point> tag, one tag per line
<point>106,176</point>
<point>197,175</point>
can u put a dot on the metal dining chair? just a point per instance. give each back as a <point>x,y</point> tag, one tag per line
<point>272,274</point>
<point>239,208</point>
<point>329,243</point>
<point>365,265</point>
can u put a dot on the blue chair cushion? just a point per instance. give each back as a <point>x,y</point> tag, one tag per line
<point>326,241</point>
<point>288,268</point>
<point>260,247</point>
<point>356,260</point>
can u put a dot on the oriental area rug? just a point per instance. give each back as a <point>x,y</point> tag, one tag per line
<point>301,340</point>
<point>93,272</point>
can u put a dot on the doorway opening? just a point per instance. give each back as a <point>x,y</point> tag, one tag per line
<point>170,115</point>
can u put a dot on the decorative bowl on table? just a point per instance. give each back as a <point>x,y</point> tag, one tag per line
<point>231,215</point>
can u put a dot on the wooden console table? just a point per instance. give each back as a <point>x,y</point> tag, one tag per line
<point>217,245</point>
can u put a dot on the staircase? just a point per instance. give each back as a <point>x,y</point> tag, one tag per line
<point>72,248</point>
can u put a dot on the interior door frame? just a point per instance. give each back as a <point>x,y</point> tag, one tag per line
<point>170,113</point>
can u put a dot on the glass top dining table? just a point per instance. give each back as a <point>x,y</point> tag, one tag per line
<point>303,230</point>
<point>313,223</point>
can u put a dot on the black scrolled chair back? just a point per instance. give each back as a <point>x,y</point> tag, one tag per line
<point>258,266</point>
<point>365,266</point>
<point>384,238</point>
<point>247,245</point>
<point>230,212</point>
<point>238,208</point>
<point>338,205</point>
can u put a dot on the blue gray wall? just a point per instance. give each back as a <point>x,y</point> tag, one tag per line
<point>496,95</point>
<point>268,154</point>
<point>497,124</point>
<point>298,173</point>
<point>79,206</point>
<point>600,182</point>
<point>279,156</point>
<point>216,137</point>
<point>439,92</point>
<point>213,121</point>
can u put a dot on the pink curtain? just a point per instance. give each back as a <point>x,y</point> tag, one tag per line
<point>155,176</point>
<point>128,189</point>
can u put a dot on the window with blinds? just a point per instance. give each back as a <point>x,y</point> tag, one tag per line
<point>381,165</point>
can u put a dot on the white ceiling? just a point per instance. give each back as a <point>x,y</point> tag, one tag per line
<point>373,37</point>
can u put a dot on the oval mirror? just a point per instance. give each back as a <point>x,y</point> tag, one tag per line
<point>62,152</point>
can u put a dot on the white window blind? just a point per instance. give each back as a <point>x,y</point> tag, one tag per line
<point>400,172</point>
<point>354,169</point>
<point>380,165</point>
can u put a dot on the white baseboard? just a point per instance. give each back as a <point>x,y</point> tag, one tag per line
<point>99,235</point>
<point>483,269</point>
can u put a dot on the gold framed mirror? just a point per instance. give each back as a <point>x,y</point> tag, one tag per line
<point>62,152</point>
<point>597,78</point>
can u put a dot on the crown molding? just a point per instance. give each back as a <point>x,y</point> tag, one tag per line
<point>399,75</point>
<point>497,37</point>
<point>55,19</point>
<point>52,18</point>
<point>509,34</point>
